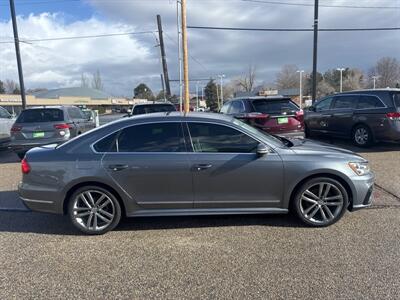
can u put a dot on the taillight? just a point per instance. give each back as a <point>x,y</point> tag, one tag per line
<point>299,115</point>
<point>62,126</point>
<point>25,167</point>
<point>395,116</point>
<point>16,128</point>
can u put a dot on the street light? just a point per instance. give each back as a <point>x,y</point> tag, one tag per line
<point>221,77</point>
<point>375,78</point>
<point>341,78</point>
<point>301,86</point>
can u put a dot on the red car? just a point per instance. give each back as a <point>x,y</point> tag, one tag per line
<point>275,115</point>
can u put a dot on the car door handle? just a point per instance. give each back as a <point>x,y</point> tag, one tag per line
<point>118,167</point>
<point>200,167</point>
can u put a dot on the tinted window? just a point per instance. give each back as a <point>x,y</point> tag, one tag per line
<point>225,108</point>
<point>75,113</point>
<point>396,97</point>
<point>108,144</point>
<point>274,106</point>
<point>41,115</point>
<point>324,104</point>
<point>342,102</point>
<point>237,107</point>
<point>365,102</point>
<point>152,108</point>
<point>4,113</point>
<point>219,138</point>
<point>162,137</point>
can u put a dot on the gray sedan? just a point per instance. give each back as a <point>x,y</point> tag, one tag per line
<point>168,164</point>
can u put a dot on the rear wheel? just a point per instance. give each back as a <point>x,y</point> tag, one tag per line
<point>321,202</point>
<point>362,136</point>
<point>94,210</point>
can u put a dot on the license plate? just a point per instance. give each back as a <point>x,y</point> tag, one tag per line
<point>39,134</point>
<point>283,120</point>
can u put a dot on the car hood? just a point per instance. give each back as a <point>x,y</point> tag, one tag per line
<point>305,146</point>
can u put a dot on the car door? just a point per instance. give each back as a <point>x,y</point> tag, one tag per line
<point>317,120</point>
<point>149,164</point>
<point>341,118</point>
<point>227,173</point>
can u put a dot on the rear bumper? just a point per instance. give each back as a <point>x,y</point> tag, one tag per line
<point>4,142</point>
<point>30,197</point>
<point>23,146</point>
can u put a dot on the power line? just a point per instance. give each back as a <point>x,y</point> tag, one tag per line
<point>293,29</point>
<point>78,37</point>
<point>321,5</point>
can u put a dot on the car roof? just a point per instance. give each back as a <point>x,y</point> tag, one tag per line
<point>49,106</point>
<point>371,91</point>
<point>277,97</point>
<point>154,103</point>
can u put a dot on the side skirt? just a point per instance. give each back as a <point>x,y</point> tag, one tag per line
<point>206,211</point>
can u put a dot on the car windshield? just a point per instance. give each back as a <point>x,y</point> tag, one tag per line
<point>41,115</point>
<point>261,134</point>
<point>274,106</point>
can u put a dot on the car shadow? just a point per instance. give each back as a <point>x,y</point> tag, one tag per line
<point>8,156</point>
<point>347,144</point>
<point>48,224</point>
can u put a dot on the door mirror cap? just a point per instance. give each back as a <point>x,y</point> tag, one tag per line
<point>262,150</point>
<point>312,108</point>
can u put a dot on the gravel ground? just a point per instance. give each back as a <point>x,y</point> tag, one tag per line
<point>229,257</point>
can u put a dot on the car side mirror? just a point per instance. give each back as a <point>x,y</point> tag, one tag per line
<point>312,108</point>
<point>262,150</point>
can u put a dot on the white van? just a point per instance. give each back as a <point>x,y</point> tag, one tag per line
<point>6,122</point>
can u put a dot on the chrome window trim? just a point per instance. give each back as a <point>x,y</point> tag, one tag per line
<point>175,121</point>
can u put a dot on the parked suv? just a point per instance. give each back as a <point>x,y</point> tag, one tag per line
<point>47,125</point>
<point>364,116</point>
<point>275,115</point>
<point>6,121</point>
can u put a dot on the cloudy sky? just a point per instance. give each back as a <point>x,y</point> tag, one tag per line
<point>125,61</point>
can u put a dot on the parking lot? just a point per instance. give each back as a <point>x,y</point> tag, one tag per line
<point>206,257</point>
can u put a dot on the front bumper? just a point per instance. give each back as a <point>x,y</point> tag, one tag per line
<point>363,194</point>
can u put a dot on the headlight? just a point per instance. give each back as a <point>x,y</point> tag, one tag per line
<point>360,168</point>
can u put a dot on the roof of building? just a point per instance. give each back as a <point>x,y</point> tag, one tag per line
<point>289,92</point>
<point>73,92</point>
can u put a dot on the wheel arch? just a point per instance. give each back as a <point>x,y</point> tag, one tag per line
<point>73,188</point>
<point>338,178</point>
<point>362,123</point>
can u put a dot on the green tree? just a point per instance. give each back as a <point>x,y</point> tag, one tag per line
<point>211,95</point>
<point>142,91</point>
<point>161,95</point>
<point>2,89</point>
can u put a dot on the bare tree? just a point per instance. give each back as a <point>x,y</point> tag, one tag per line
<point>96,81</point>
<point>353,80</point>
<point>387,70</point>
<point>84,80</point>
<point>10,86</point>
<point>287,77</point>
<point>246,83</point>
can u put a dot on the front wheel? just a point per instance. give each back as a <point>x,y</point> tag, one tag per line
<point>94,210</point>
<point>320,202</point>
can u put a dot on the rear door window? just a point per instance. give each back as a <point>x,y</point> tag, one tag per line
<point>41,115</point>
<point>369,102</point>
<point>275,107</point>
<point>345,102</point>
<point>75,113</point>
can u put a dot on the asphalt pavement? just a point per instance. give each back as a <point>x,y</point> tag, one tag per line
<point>227,257</point>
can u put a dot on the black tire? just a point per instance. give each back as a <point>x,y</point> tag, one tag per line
<point>21,155</point>
<point>300,206</point>
<point>113,208</point>
<point>362,136</point>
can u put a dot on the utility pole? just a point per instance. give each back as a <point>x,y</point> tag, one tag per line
<point>163,87</point>
<point>197,96</point>
<point>314,73</point>
<point>185,57</point>
<point>178,25</point>
<point>18,54</point>
<point>341,78</point>
<point>163,57</point>
<point>221,77</point>
<point>301,87</point>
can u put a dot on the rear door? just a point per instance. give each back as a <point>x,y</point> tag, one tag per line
<point>342,114</point>
<point>37,125</point>
<point>227,173</point>
<point>148,161</point>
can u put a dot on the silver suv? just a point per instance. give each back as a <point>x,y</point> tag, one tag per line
<point>47,125</point>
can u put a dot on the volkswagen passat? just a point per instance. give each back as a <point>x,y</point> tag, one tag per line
<point>168,164</point>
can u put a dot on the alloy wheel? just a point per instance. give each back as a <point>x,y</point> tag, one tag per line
<point>93,210</point>
<point>361,136</point>
<point>321,203</point>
